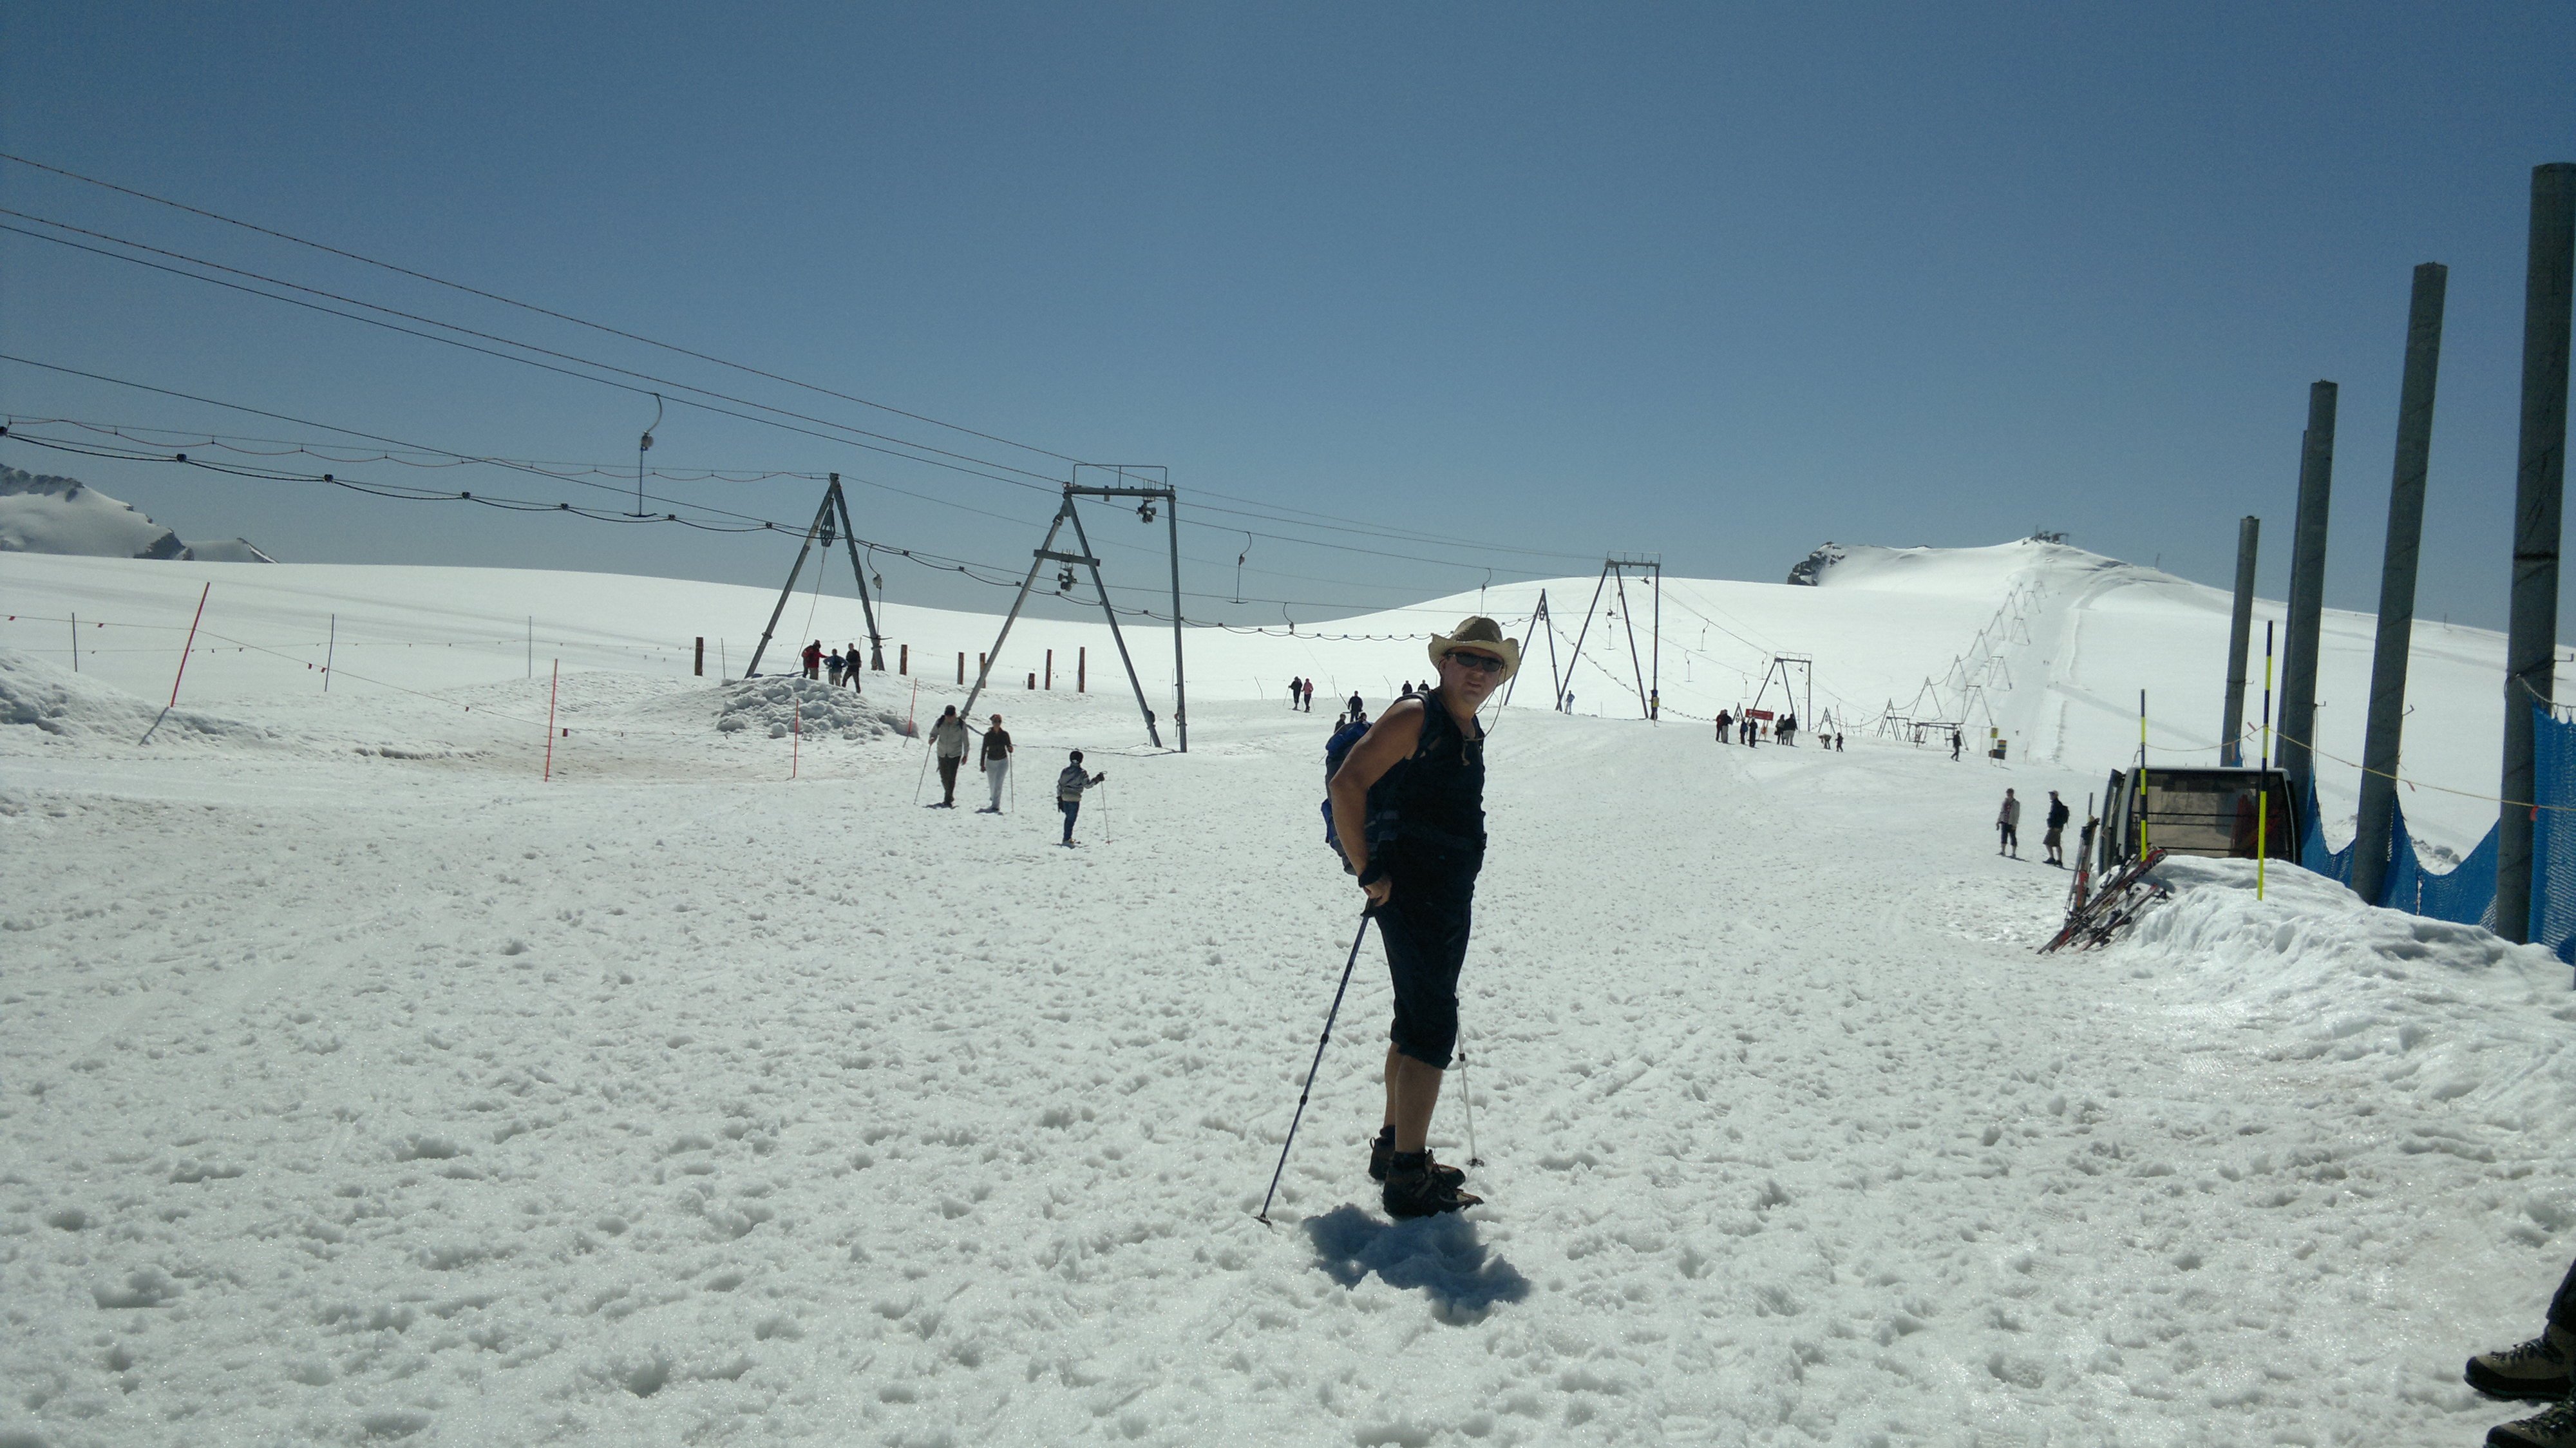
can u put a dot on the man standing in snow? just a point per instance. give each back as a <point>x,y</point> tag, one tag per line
<point>948,741</point>
<point>2008,826</point>
<point>997,763</point>
<point>814,659</point>
<point>1725,721</point>
<point>1309,701</point>
<point>1958,741</point>
<point>1358,709</point>
<point>832,666</point>
<point>1408,808</point>
<point>853,669</point>
<point>2055,839</point>
<point>1070,782</point>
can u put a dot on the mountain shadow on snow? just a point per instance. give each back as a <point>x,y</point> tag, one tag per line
<point>1440,1255</point>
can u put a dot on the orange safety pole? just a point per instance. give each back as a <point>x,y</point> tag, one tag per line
<point>191,644</point>
<point>552,688</point>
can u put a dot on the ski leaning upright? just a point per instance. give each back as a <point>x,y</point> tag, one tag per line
<point>2095,921</point>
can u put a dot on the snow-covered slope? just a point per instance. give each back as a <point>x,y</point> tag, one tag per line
<point>2047,643</point>
<point>46,514</point>
<point>359,1087</point>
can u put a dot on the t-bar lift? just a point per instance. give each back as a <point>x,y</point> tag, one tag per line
<point>1045,554</point>
<point>831,525</point>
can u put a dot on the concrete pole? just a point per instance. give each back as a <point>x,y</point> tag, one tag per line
<point>2379,750</point>
<point>2240,635</point>
<point>2531,646</point>
<point>2307,593</point>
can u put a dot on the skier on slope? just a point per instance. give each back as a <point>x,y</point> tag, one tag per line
<point>2008,826</point>
<point>997,763</point>
<point>2055,839</point>
<point>1070,782</point>
<point>1408,809</point>
<point>948,741</point>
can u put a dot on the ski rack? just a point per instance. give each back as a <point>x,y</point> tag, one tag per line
<point>2114,907</point>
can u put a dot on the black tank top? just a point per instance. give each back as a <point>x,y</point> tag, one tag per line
<point>1432,802</point>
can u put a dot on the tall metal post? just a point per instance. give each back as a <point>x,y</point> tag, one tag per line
<point>2307,594</point>
<point>867,605</point>
<point>2240,637</point>
<point>2541,476</point>
<point>1180,689</point>
<point>2379,750</point>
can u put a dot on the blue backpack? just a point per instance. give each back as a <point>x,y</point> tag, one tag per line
<point>1335,749</point>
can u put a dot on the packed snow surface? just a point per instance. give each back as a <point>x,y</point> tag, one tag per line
<point>358,1085</point>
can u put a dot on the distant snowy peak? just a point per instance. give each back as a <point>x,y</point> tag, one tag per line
<point>1970,571</point>
<point>45,514</point>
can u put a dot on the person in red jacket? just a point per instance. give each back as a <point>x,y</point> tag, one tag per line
<point>814,659</point>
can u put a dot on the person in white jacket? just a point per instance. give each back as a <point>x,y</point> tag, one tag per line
<point>2008,826</point>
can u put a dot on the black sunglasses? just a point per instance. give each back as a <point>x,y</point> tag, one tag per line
<point>1478,663</point>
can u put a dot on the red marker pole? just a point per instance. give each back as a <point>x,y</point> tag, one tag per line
<point>551,690</point>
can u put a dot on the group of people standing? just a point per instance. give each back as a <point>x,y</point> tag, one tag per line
<point>839,663</point>
<point>1747,729</point>
<point>1301,694</point>
<point>951,737</point>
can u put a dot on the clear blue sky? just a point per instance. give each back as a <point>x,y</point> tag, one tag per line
<point>1722,282</point>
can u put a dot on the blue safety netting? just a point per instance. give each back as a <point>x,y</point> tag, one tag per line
<point>2466,892</point>
<point>2553,835</point>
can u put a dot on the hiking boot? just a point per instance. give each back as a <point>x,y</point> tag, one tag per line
<point>1412,1190</point>
<point>1384,1147</point>
<point>2551,1427</point>
<point>2537,1370</point>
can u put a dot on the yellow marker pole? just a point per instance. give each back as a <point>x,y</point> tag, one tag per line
<point>2142,774</point>
<point>2263,776</point>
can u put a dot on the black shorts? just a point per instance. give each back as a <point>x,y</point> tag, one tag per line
<point>1424,924</point>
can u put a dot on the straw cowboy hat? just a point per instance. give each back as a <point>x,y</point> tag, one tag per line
<point>1482,633</point>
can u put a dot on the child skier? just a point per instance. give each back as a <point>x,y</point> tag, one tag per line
<point>1069,786</point>
<point>1408,809</point>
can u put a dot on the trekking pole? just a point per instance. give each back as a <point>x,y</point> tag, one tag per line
<point>1263,1216</point>
<point>1469,1093</point>
<point>1107,836</point>
<point>923,777</point>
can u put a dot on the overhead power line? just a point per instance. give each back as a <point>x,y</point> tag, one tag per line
<point>1274,512</point>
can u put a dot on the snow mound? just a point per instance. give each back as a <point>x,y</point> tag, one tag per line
<point>1958,572</point>
<point>56,706</point>
<point>772,707</point>
<point>2430,1009</point>
<point>42,513</point>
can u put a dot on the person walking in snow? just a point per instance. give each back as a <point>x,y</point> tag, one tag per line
<point>1070,782</point>
<point>948,741</point>
<point>2008,826</point>
<point>1408,809</point>
<point>1294,686</point>
<point>1958,742</point>
<point>2535,1371</point>
<point>997,763</point>
<point>1310,696</point>
<point>814,659</point>
<point>853,668</point>
<point>1358,709</point>
<point>1725,721</point>
<point>2055,839</point>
